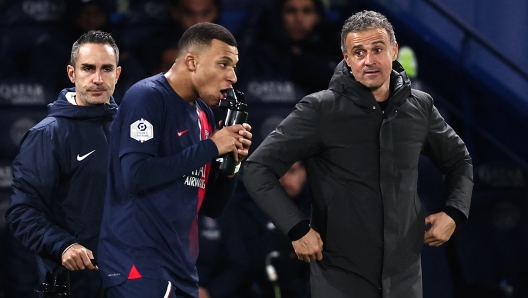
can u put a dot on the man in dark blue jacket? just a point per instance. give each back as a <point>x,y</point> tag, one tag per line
<point>61,168</point>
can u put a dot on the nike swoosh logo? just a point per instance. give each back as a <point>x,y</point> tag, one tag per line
<point>180,133</point>
<point>79,158</point>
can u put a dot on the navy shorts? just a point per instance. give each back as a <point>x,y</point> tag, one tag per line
<point>144,287</point>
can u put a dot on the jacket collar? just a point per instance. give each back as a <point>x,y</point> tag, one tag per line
<point>344,82</point>
<point>64,108</point>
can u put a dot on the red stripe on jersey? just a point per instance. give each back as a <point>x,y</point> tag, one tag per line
<point>205,131</point>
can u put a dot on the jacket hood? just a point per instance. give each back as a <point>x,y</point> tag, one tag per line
<point>344,82</point>
<point>63,108</point>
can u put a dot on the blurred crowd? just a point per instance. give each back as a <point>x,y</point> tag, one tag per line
<point>287,48</point>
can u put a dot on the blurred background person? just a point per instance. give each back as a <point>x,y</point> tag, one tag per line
<point>166,59</point>
<point>186,13</point>
<point>223,260</point>
<point>181,14</point>
<point>290,53</point>
<point>53,50</point>
<point>249,242</point>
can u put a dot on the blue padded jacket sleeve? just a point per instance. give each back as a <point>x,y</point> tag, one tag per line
<point>35,177</point>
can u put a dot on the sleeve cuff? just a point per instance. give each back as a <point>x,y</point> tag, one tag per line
<point>67,247</point>
<point>456,215</point>
<point>211,147</point>
<point>299,230</point>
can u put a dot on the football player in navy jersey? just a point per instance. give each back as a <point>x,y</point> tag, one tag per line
<point>164,142</point>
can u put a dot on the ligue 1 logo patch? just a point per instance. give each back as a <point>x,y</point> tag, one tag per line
<point>141,130</point>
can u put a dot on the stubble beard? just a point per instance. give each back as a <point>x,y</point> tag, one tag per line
<point>89,101</point>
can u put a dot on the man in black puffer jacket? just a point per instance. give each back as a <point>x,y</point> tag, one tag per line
<point>360,141</point>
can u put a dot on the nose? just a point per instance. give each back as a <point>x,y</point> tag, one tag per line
<point>231,77</point>
<point>300,16</point>
<point>297,15</point>
<point>370,59</point>
<point>98,78</point>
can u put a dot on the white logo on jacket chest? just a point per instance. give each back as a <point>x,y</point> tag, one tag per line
<point>79,158</point>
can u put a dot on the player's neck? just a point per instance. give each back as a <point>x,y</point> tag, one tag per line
<point>181,83</point>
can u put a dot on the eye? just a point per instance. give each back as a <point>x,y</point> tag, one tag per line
<point>359,53</point>
<point>223,65</point>
<point>290,10</point>
<point>307,10</point>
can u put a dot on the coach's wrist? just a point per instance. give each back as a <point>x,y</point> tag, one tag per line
<point>299,230</point>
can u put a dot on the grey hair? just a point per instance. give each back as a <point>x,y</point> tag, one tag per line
<point>365,20</point>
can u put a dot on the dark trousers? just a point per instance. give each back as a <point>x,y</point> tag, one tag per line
<point>144,287</point>
<point>326,281</point>
<point>406,284</point>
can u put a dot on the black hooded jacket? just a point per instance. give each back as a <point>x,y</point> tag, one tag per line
<point>362,166</point>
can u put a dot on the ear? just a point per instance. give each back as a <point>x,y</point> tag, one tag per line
<point>190,61</point>
<point>118,73</point>
<point>71,73</point>
<point>395,51</point>
<point>345,56</point>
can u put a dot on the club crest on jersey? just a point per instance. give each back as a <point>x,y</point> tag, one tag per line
<point>207,134</point>
<point>141,130</point>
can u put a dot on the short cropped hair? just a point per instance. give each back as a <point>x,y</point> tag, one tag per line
<point>93,36</point>
<point>203,34</point>
<point>366,20</point>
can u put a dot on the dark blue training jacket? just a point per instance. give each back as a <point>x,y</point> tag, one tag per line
<point>60,180</point>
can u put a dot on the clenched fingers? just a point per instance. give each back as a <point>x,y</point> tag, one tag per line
<point>309,248</point>
<point>77,257</point>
